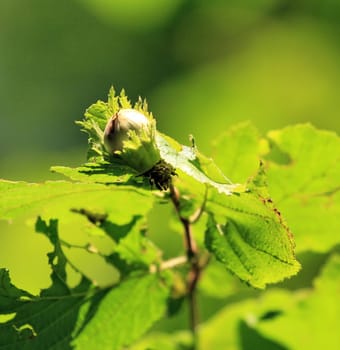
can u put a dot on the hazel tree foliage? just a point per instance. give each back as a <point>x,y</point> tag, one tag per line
<point>239,212</point>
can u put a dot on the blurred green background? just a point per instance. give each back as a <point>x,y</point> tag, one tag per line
<point>202,65</point>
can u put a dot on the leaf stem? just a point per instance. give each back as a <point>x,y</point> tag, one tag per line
<point>90,248</point>
<point>197,215</point>
<point>195,269</point>
<point>169,264</point>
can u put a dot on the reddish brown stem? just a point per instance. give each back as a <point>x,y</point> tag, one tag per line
<point>192,255</point>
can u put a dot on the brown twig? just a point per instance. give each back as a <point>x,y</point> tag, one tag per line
<point>192,256</point>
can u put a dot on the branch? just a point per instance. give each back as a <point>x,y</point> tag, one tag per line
<point>190,244</point>
<point>192,256</point>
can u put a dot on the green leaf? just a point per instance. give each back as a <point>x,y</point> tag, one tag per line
<point>103,172</point>
<point>96,117</point>
<point>211,281</point>
<point>180,340</point>
<point>62,317</point>
<point>303,177</point>
<point>222,331</point>
<point>56,259</point>
<point>125,314</point>
<point>281,319</point>
<point>48,320</point>
<point>237,152</point>
<point>58,198</point>
<point>135,248</point>
<point>309,320</point>
<point>114,209</point>
<point>133,251</point>
<point>250,238</point>
<point>192,163</point>
<point>43,322</point>
<point>10,296</point>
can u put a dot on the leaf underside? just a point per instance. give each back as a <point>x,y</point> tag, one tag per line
<point>62,317</point>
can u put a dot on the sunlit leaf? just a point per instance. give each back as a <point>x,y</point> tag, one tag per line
<point>181,340</point>
<point>63,317</point>
<point>250,238</point>
<point>280,319</point>
<point>310,319</point>
<point>125,313</point>
<point>47,320</point>
<point>304,181</point>
<point>187,159</point>
<point>237,152</point>
<point>59,198</point>
<point>102,172</point>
